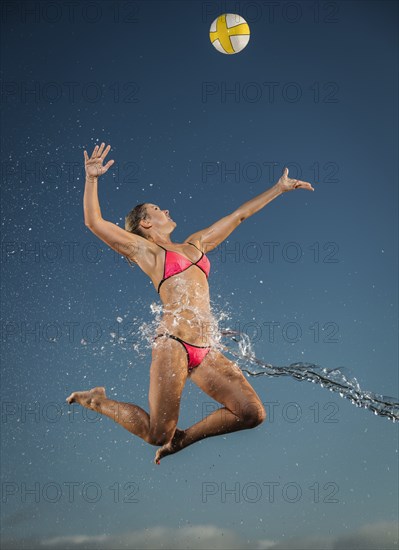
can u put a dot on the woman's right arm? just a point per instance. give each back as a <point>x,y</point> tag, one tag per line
<point>94,168</point>
<point>118,239</point>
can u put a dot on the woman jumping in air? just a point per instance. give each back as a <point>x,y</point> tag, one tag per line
<point>182,347</point>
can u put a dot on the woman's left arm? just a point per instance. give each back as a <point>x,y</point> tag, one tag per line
<point>213,235</point>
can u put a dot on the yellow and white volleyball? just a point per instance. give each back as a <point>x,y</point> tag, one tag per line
<point>229,33</point>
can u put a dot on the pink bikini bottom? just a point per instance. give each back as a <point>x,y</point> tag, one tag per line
<point>195,354</point>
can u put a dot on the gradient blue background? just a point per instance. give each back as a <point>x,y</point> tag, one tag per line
<point>171,143</point>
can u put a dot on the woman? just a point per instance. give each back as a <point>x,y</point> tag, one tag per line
<point>182,347</point>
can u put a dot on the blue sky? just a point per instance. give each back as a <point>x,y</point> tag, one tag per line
<point>200,133</point>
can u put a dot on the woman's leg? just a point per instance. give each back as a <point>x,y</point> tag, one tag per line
<point>131,417</point>
<point>168,375</point>
<point>224,381</point>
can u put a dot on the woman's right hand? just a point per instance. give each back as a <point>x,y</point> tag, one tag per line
<point>94,165</point>
<point>285,183</point>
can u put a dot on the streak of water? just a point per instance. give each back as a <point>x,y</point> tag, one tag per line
<point>337,380</point>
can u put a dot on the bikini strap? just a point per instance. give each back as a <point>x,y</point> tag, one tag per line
<point>195,246</point>
<point>160,246</point>
<point>164,267</point>
<point>202,254</point>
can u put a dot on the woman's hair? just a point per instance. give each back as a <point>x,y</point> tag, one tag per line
<point>132,220</point>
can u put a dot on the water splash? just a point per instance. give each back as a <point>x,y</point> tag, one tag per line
<point>131,333</point>
<point>337,380</point>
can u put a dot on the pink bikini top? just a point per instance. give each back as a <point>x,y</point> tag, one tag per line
<point>176,263</point>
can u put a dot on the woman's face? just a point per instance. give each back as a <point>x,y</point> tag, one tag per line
<point>159,218</point>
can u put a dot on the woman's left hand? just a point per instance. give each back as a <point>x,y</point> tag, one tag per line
<point>287,184</point>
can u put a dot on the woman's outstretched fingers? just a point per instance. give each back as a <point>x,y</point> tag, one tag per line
<point>99,152</point>
<point>289,184</point>
<point>108,165</point>
<point>306,185</point>
<point>105,153</point>
<point>94,154</point>
<point>303,185</point>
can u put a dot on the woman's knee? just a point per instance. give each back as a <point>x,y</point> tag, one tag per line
<point>253,414</point>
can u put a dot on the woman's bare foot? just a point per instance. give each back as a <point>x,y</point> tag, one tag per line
<point>89,399</point>
<point>174,446</point>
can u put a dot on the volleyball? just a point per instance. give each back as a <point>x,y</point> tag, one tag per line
<point>229,33</point>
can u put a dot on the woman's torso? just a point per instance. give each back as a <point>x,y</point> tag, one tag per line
<point>184,295</point>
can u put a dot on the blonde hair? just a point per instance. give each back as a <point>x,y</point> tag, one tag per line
<point>132,220</point>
